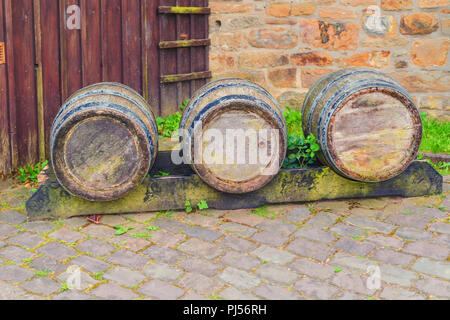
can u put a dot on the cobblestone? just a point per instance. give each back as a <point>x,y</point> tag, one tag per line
<point>315,289</point>
<point>353,247</point>
<point>434,268</point>
<point>312,269</point>
<point>426,249</point>
<point>269,254</point>
<point>124,276</point>
<point>275,293</point>
<point>434,287</point>
<point>413,234</point>
<point>161,290</point>
<point>26,239</point>
<point>240,261</point>
<point>238,278</point>
<point>127,259</point>
<point>276,273</point>
<point>310,249</point>
<point>270,238</point>
<point>237,244</point>
<point>394,293</point>
<point>162,271</point>
<point>329,252</point>
<point>202,266</point>
<point>322,220</point>
<point>201,248</point>
<point>392,257</point>
<point>12,217</point>
<point>111,291</point>
<point>200,283</point>
<point>315,234</point>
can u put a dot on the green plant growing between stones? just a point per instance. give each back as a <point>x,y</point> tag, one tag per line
<point>64,287</point>
<point>43,273</point>
<point>30,173</point>
<point>98,276</point>
<point>264,212</point>
<point>202,205</point>
<point>141,235</point>
<point>188,206</point>
<point>121,230</point>
<point>152,228</point>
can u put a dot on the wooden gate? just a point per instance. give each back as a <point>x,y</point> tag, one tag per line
<point>159,48</point>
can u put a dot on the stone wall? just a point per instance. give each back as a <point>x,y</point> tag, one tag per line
<point>287,45</point>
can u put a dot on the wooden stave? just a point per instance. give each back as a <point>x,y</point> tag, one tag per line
<point>141,123</point>
<point>375,79</point>
<point>203,98</point>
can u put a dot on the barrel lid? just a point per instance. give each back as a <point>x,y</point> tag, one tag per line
<point>100,154</point>
<point>242,146</point>
<point>374,134</point>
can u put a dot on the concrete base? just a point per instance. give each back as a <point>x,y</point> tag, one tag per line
<point>171,192</point>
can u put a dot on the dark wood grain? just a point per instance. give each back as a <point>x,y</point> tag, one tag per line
<point>5,144</point>
<point>131,44</point>
<point>25,81</point>
<point>112,41</point>
<point>118,41</point>
<point>50,64</point>
<point>91,41</point>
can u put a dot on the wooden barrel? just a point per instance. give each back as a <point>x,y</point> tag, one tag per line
<point>367,125</point>
<point>103,142</point>
<point>234,135</point>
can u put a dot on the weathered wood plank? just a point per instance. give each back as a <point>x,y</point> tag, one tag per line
<point>184,10</point>
<point>91,41</point>
<point>296,185</point>
<point>186,77</point>
<point>50,65</point>
<point>25,81</point>
<point>5,147</point>
<point>112,41</point>
<point>131,44</point>
<point>184,43</point>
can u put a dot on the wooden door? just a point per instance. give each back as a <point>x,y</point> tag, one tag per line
<point>159,48</point>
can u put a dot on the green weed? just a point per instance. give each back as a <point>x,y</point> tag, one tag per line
<point>30,173</point>
<point>436,135</point>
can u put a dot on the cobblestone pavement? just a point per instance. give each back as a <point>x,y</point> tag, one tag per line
<point>323,250</point>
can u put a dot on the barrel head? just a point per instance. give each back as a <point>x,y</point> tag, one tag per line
<point>241,150</point>
<point>100,157</point>
<point>374,134</point>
